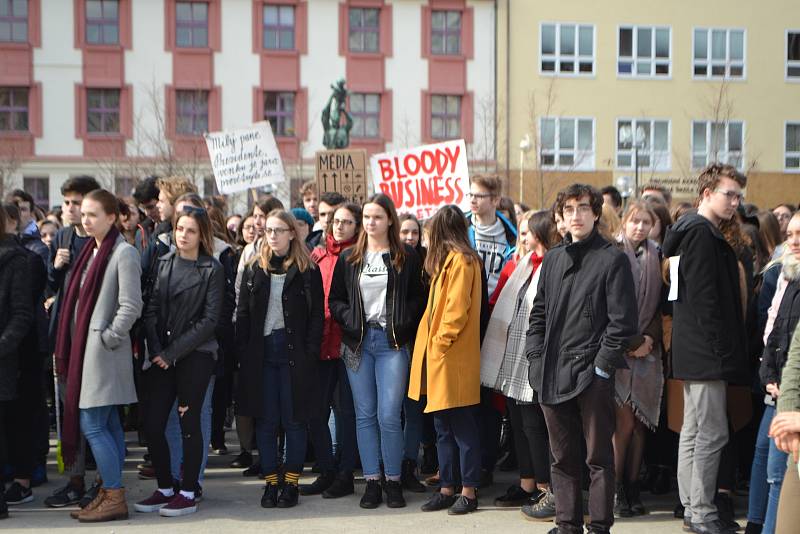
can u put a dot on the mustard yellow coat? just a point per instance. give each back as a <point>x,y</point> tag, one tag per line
<point>447,353</point>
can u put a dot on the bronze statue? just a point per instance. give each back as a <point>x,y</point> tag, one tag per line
<point>337,135</point>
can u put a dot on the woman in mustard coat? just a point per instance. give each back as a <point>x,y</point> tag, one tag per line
<point>446,363</point>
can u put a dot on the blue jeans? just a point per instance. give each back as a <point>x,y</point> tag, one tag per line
<point>277,410</point>
<point>175,440</point>
<point>379,387</point>
<point>103,431</point>
<point>766,477</point>
<point>412,432</point>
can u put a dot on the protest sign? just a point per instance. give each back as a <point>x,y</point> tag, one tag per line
<point>244,159</point>
<point>343,171</point>
<point>421,180</point>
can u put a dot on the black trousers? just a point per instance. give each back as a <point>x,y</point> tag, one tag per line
<point>220,401</point>
<point>188,381</point>
<point>530,440</point>
<point>23,417</point>
<point>489,425</point>
<point>590,415</point>
<point>458,446</point>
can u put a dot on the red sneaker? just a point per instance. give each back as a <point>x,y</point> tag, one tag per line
<point>178,506</point>
<point>153,503</point>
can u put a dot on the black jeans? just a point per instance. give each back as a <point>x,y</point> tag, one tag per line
<point>188,381</point>
<point>489,425</point>
<point>336,392</point>
<point>23,418</point>
<point>530,441</point>
<point>590,415</point>
<point>220,401</point>
<point>458,444</point>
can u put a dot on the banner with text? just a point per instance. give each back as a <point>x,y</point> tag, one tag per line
<point>421,180</point>
<point>245,159</point>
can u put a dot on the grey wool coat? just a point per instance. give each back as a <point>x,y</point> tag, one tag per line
<point>108,361</point>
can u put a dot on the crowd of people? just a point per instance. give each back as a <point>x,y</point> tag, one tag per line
<point>595,345</point>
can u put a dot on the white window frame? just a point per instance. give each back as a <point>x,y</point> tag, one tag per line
<point>655,155</point>
<point>786,153</point>
<point>634,59</point>
<point>787,63</point>
<point>708,61</point>
<point>577,58</point>
<point>582,160</point>
<point>723,153</point>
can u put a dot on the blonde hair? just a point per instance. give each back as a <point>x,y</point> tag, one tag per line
<point>609,224</point>
<point>524,218</point>
<point>636,207</point>
<point>175,186</point>
<point>298,253</point>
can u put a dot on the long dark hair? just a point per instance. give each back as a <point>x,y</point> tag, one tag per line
<point>355,211</point>
<point>448,232</point>
<point>542,225</point>
<point>3,219</point>
<point>396,248</point>
<point>200,216</point>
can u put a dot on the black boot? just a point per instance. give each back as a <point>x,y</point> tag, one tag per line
<point>430,460</point>
<point>341,486</point>
<point>409,479</point>
<point>3,505</point>
<point>635,501</point>
<point>753,528</point>
<point>394,494</point>
<point>289,496</point>
<point>322,483</point>
<point>725,510</point>
<point>622,507</point>
<point>373,495</point>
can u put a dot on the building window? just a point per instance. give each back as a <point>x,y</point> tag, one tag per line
<point>279,27</point>
<point>793,54</point>
<point>567,49</point>
<point>446,32</point>
<point>653,137</point>
<point>366,112</point>
<point>123,185</point>
<point>191,24</point>
<point>14,21</point>
<point>102,21</point>
<point>718,53</point>
<point>279,111</point>
<point>643,51</point>
<point>364,29</point>
<point>14,109</point>
<point>567,143</point>
<point>192,112</point>
<point>39,189</point>
<point>792,155</point>
<point>721,142</point>
<point>445,116</point>
<point>102,111</point>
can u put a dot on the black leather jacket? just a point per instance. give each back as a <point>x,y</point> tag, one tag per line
<point>184,320</point>
<point>780,338</point>
<point>405,296</point>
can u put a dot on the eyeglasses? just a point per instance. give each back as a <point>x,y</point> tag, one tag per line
<point>275,231</point>
<point>730,195</point>
<point>248,227</point>
<point>343,222</point>
<point>479,196</point>
<point>583,209</point>
<point>783,216</point>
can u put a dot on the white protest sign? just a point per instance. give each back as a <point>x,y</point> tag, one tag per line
<point>421,180</point>
<point>244,159</point>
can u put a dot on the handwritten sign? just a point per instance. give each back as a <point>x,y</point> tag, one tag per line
<point>423,179</point>
<point>244,159</point>
<point>343,171</point>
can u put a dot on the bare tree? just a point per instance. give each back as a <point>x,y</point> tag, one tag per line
<point>484,151</point>
<point>10,162</point>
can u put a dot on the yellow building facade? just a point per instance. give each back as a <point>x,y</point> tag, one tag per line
<point>585,89</point>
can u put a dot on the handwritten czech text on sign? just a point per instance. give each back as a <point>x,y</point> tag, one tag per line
<point>421,180</point>
<point>244,159</point>
<point>343,171</point>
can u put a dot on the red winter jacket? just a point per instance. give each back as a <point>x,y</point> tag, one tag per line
<point>325,258</point>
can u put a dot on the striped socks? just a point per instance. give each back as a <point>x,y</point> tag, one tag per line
<point>291,478</point>
<point>271,479</point>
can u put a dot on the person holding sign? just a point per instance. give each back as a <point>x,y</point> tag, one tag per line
<point>279,323</point>
<point>376,295</point>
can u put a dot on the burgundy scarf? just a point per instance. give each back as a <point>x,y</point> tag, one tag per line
<point>70,348</point>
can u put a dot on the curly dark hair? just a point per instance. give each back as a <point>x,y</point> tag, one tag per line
<point>578,191</point>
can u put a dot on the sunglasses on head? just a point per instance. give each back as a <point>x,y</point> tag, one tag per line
<point>194,209</point>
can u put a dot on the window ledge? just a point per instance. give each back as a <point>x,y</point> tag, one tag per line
<point>280,52</point>
<point>16,134</point>
<point>15,45</point>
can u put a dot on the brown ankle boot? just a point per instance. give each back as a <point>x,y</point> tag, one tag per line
<point>111,507</point>
<point>89,507</point>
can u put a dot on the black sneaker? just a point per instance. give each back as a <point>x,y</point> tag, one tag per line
<point>322,483</point>
<point>622,507</point>
<point>408,477</point>
<point>220,450</point>
<point>341,487</point>
<point>635,500</point>
<point>18,494</point>
<point>270,497</point>
<point>243,461</point>
<point>726,511</point>
<point>463,505</point>
<point>438,501</point>
<point>430,462</point>
<point>69,495</point>
<point>252,471</point>
<point>542,510</point>
<point>289,496</point>
<point>90,494</point>
<point>372,495</point>
<point>394,494</point>
<point>513,497</point>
